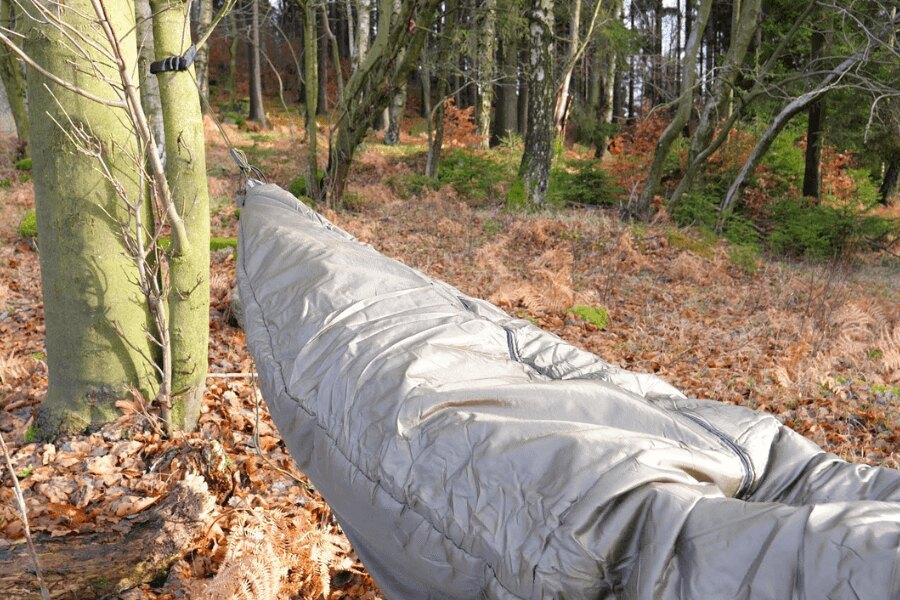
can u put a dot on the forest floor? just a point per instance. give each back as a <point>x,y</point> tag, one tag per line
<point>816,345</point>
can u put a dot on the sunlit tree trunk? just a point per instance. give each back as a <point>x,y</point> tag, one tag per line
<point>641,207</point>
<point>149,83</point>
<point>561,108</point>
<point>13,80</point>
<point>447,33</point>
<point>486,64</point>
<point>534,170</point>
<point>186,174</point>
<point>96,319</point>
<point>311,76</point>
<point>201,62</point>
<point>721,94</point>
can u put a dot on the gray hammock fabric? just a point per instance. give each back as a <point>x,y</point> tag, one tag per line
<point>471,455</point>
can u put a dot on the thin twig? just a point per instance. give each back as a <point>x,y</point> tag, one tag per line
<point>20,499</point>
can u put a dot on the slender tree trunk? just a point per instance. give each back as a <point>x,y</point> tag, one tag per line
<point>311,75</point>
<point>815,131</point>
<point>788,112</point>
<point>186,174</point>
<point>149,83</point>
<point>96,318</point>
<point>350,27</point>
<point>362,35</point>
<point>641,207</point>
<point>322,70</point>
<point>394,53</point>
<point>232,60</point>
<point>561,107</point>
<point>534,170</point>
<point>506,122</point>
<point>257,109</point>
<point>487,66</point>
<point>201,62</point>
<point>721,93</point>
<point>523,103</point>
<point>432,162</point>
<point>14,81</point>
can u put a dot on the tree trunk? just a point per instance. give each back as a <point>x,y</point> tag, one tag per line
<point>815,130</point>
<point>534,170</point>
<point>232,60</point>
<point>100,565</point>
<point>322,69</point>
<point>487,68</point>
<point>506,122</point>
<point>721,93</point>
<point>522,100</point>
<point>149,83</point>
<point>362,35</point>
<point>561,107</point>
<point>14,81</point>
<point>257,109</point>
<point>98,350</point>
<point>432,161</point>
<point>787,113</point>
<point>186,174</point>
<point>890,185</point>
<point>641,208</point>
<point>201,62</point>
<point>392,56</point>
<point>311,75</point>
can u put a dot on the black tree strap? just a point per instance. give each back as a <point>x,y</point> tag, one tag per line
<point>174,63</point>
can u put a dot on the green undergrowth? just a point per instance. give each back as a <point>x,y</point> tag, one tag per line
<point>24,164</point>
<point>582,182</point>
<point>28,224</point>
<point>596,315</point>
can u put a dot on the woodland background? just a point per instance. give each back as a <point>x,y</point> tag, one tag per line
<point>594,206</point>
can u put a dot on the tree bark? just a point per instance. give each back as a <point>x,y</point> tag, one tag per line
<point>432,161</point>
<point>487,68</point>
<point>257,109</point>
<point>186,174</point>
<point>815,130</point>
<point>311,75</point>
<point>232,60</point>
<point>149,83</point>
<point>561,108</point>
<point>641,208</point>
<point>890,185</point>
<point>322,69</point>
<point>14,81</point>
<point>201,62</point>
<point>506,121</point>
<point>363,28</point>
<point>721,93</point>
<point>96,320</point>
<point>522,100</point>
<point>392,56</point>
<point>534,170</point>
<point>100,565</point>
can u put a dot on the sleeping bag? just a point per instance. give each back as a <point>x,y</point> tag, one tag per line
<point>468,454</point>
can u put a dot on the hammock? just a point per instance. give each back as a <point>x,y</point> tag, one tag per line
<point>468,454</point>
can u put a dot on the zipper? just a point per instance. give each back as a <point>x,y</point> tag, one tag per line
<point>747,479</point>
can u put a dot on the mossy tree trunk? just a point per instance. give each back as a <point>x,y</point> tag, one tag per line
<point>311,77</point>
<point>98,350</point>
<point>186,174</point>
<point>13,80</point>
<point>534,170</point>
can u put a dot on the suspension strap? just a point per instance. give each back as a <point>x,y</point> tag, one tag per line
<point>174,63</point>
